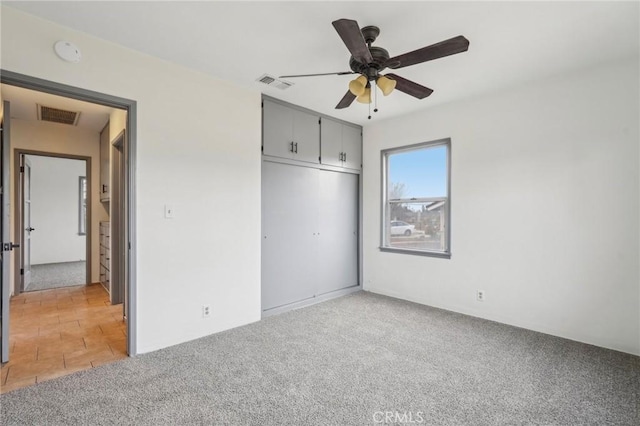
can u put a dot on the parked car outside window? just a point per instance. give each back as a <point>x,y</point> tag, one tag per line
<point>401,228</point>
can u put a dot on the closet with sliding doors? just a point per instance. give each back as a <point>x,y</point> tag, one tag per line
<point>311,167</point>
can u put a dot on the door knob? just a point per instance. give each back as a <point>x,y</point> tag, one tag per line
<point>9,246</point>
<point>31,229</point>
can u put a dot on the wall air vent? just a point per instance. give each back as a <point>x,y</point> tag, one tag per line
<point>56,115</point>
<point>274,82</point>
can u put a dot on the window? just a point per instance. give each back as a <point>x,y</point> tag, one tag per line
<point>416,200</point>
<point>82,202</point>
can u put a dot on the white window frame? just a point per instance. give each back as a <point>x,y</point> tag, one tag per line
<point>384,237</point>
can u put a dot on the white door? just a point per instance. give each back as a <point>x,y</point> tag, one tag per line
<point>331,142</point>
<point>25,267</point>
<point>352,147</point>
<point>306,136</point>
<point>338,216</point>
<point>289,234</point>
<point>277,129</point>
<point>5,250</point>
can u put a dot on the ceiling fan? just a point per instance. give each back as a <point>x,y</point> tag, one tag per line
<point>369,61</point>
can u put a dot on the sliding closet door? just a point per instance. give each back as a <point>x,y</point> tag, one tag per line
<point>338,224</point>
<point>289,234</point>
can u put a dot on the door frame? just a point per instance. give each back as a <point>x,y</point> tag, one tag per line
<point>18,282</point>
<point>118,267</point>
<point>24,182</point>
<point>5,149</point>
<point>130,106</point>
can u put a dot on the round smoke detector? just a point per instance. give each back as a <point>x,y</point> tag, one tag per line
<point>67,51</point>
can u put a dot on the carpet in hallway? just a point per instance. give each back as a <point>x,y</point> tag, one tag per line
<point>54,275</point>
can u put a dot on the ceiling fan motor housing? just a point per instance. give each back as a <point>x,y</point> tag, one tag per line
<point>371,70</point>
<point>370,33</point>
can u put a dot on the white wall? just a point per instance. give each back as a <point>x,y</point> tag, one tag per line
<point>54,210</point>
<point>545,215</point>
<point>62,139</point>
<point>198,148</point>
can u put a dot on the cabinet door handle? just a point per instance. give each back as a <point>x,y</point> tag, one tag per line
<point>104,189</point>
<point>296,144</point>
<point>344,156</point>
<point>291,147</point>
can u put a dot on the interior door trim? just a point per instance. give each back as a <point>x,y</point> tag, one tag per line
<point>130,106</point>
<point>17,208</point>
<point>6,230</point>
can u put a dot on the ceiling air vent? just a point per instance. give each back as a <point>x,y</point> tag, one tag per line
<point>274,82</point>
<point>56,115</point>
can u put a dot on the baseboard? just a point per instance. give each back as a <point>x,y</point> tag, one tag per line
<point>310,301</point>
<point>539,328</point>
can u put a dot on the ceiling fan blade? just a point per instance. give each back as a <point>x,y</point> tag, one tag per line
<point>315,75</point>
<point>346,100</point>
<point>350,33</point>
<point>409,87</point>
<point>439,50</point>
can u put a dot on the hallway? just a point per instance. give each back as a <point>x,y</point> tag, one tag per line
<point>60,331</point>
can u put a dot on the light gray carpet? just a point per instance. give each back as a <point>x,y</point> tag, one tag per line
<point>53,275</point>
<point>340,363</point>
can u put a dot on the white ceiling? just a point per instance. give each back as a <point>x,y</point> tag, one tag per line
<point>511,42</point>
<point>24,107</point>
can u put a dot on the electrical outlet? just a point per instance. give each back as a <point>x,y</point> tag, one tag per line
<point>480,295</point>
<point>206,311</point>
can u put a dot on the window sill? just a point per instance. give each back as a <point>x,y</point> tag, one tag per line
<point>442,255</point>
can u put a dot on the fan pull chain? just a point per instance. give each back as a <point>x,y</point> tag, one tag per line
<point>369,110</point>
<point>375,109</point>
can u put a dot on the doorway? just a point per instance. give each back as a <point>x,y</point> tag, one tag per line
<point>127,230</point>
<point>52,220</point>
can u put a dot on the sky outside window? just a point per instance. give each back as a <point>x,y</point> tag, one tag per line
<point>423,172</point>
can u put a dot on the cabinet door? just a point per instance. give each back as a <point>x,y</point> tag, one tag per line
<point>289,234</point>
<point>331,142</point>
<point>105,162</point>
<point>277,130</point>
<point>306,136</point>
<point>338,242</point>
<point>352,147</point>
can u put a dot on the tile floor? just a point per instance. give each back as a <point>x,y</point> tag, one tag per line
<point>61,331</point>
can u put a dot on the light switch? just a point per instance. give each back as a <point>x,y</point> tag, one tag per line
<point>168,211</point>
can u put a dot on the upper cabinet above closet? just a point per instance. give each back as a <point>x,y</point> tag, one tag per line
<point>341,144</point>
<point>290,133</point>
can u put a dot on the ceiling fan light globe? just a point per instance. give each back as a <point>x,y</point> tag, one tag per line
<point>386,85</point>
<point>357,86</point>
<point>365,97</point>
